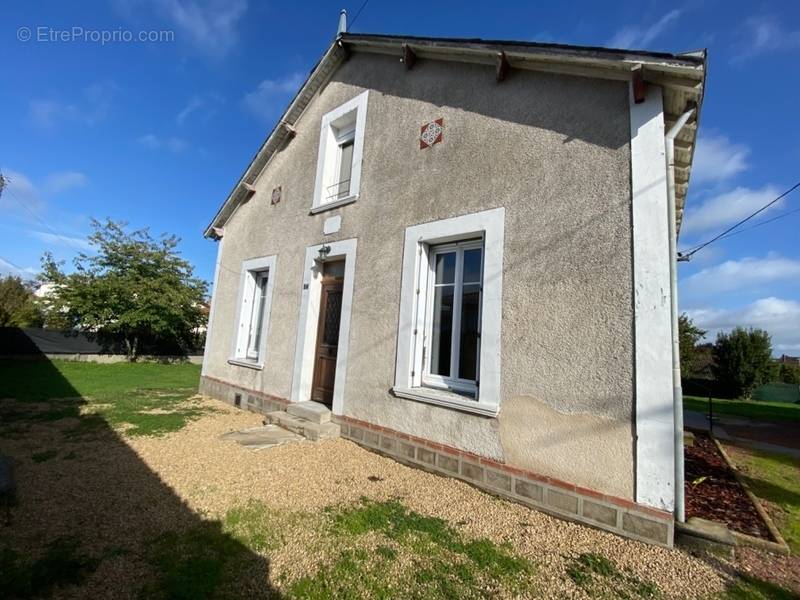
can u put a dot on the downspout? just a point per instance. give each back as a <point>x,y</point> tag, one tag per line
<point>677,390</point>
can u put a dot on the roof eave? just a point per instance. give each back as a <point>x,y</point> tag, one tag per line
<point>681,76</point>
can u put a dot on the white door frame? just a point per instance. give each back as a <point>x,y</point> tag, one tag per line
<point>303,372</point>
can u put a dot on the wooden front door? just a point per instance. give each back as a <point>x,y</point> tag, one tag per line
<point>330,314</point>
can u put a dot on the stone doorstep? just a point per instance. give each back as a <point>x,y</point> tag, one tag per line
<point>308,429</point>
<point>311,411</point>
<point>260,438</point>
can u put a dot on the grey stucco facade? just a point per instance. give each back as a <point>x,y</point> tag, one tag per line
<point>554,151</point>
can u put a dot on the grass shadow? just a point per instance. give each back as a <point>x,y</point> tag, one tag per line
<point>89,512</point>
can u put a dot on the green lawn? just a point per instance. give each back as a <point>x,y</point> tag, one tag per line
<point>766,411</point>
<point>144,398</point>
<point>43,379</point>
<point>54,422</point>
<point>776,479</point>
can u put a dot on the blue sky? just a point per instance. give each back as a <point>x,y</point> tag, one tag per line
<point>156,133</point>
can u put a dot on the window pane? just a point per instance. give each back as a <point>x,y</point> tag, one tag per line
<point>472,265</point>
<point>445,268</point>
<point>257,314</point>
<point>345,169</point>
<point>470,316</point>
<point>442,330</point>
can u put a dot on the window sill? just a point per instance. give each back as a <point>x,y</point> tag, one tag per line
<point>335,204</point>
<point>250,364</point>
<point>446,399</point>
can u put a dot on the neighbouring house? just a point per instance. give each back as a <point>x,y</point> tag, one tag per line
<point>462,248</point>
<point>785,359</point>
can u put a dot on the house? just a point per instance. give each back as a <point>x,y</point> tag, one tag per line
<point>462,248</point>
<point>785,359</point>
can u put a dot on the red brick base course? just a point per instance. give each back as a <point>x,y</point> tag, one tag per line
<point>556,497</point>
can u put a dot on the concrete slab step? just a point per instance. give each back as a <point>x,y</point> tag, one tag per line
<point>309,430</point>
<point>259,438</point>
<point>313,411</point>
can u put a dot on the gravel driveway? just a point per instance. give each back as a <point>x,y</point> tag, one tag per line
<point>117,494</point>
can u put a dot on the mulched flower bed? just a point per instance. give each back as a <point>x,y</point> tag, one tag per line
<point>713,493</point>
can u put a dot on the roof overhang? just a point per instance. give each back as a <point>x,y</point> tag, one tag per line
<point>681,77</point>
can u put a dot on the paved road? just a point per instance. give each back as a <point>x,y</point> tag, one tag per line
<point>756,434</point>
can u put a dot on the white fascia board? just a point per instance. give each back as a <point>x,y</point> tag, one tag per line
<point>212,310</point>
<point>655,480</point>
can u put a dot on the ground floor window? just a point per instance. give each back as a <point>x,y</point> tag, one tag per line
<point>255,290</point>
<point>453,316</point>
<point>257,313</point>
<point>448,341</point>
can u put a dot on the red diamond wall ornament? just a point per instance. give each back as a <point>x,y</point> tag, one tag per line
<point>431,133</point>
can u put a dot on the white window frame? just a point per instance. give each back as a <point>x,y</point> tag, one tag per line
<point>452,382</point>
<point>252,269</point>
<point>331,139</point>
<point>409,369</point>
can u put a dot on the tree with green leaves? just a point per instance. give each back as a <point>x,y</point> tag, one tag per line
<point>18,306</point>
<point>688,337</point>
<point>789,374</point>
<point>133,289</point>
<point>742,361</point>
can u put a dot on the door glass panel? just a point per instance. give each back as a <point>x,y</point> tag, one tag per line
<point>445,268</point>
<point>472,265</point>
<point>470,316</point>
<point>333,317</point>
<point>442,330</point>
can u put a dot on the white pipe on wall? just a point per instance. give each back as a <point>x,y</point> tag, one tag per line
<point>677,390</point>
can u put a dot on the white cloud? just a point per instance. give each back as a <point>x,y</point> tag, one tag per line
<point>640,37</point>
<point>20,189</point>
<point>154,142</point>
<point>210,26</point>
<point>202,105</point>
<point>779,317</point>
<point>56,183</point>
<point>91,108</point>
<point>53,239</point>
<point>765,35</point>
<point>740,275</point>
<point>727,208</point>
<point>718,159</point>
<point>9,269</point>
<point>271,94</point>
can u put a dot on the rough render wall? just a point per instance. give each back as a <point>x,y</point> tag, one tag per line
<point>554,151</point>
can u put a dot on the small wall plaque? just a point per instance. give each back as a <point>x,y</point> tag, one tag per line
<point>431,133</point>
<point>276,195</point>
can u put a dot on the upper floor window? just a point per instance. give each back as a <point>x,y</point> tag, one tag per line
<point>341,146</point>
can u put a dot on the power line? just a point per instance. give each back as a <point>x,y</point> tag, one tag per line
<point>39,219</point>
<point>16,266</point>
<point>353,22</point>
<point>756,226</point>
<point>687,254</point>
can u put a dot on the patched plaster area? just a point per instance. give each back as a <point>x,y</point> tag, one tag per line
<point>587,450</point>
<point>479,435</point>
